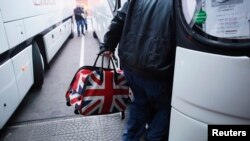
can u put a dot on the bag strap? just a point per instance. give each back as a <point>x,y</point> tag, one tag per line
<point>101,68</point>
<point>110,60</point>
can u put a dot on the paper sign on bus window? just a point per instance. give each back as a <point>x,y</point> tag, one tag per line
<point>227,18</point>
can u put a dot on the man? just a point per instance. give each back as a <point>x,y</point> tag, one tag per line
<point>78,11</point>
<point>144,31</point>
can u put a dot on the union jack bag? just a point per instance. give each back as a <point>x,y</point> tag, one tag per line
<point>98,91</point>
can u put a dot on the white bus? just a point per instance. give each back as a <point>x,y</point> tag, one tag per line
<point>212,69</point>
<point>31,33</point>
<point>102,12</point>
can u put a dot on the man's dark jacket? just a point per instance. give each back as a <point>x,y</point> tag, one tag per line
<point>78,11</point>
<point>144,31</point>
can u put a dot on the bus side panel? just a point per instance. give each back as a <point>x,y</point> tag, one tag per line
<point>42,17</point>
<point>54,39</point>
<point>209,89</point>
<point>3,38</point>
<point>9,98</point>
<point>18,9</point>
<point>45,21</point>
<point>23,70</point>
<point>182,128</point>
<point>15,32</point>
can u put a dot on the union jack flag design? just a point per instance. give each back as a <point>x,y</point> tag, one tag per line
<point>76,88</point>
<point>104,93</point>
<point>98,92</point>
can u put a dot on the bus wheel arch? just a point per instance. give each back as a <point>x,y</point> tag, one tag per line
<point>71,36</point>
<point>38,65</point>
<point>95,35</point>
<point>41,47</point>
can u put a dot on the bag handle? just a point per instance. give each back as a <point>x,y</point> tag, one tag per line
<point>101,68</point>
<point>110,60</point>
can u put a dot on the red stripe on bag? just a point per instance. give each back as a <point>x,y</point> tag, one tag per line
<point>74,100</point>
<point>86,112</point>
<point>120,104</point>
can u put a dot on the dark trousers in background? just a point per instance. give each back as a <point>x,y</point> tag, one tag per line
<point>80,27</point>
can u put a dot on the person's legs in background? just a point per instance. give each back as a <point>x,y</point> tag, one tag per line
<point>82,26</point>
<point>78,24</point>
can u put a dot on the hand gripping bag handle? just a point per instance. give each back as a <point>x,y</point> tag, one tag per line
<point>101,68</point>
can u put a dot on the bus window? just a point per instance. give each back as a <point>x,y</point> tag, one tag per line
<point>225,19</point>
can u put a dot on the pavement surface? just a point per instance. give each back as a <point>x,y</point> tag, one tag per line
<point>70,128</point>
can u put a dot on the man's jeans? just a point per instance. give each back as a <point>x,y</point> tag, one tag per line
<point>151,105</point>
<point>80,26</point>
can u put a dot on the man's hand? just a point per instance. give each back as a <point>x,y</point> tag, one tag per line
<point>108,54</point>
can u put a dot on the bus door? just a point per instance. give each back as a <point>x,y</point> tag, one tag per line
<point>212,67</point>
